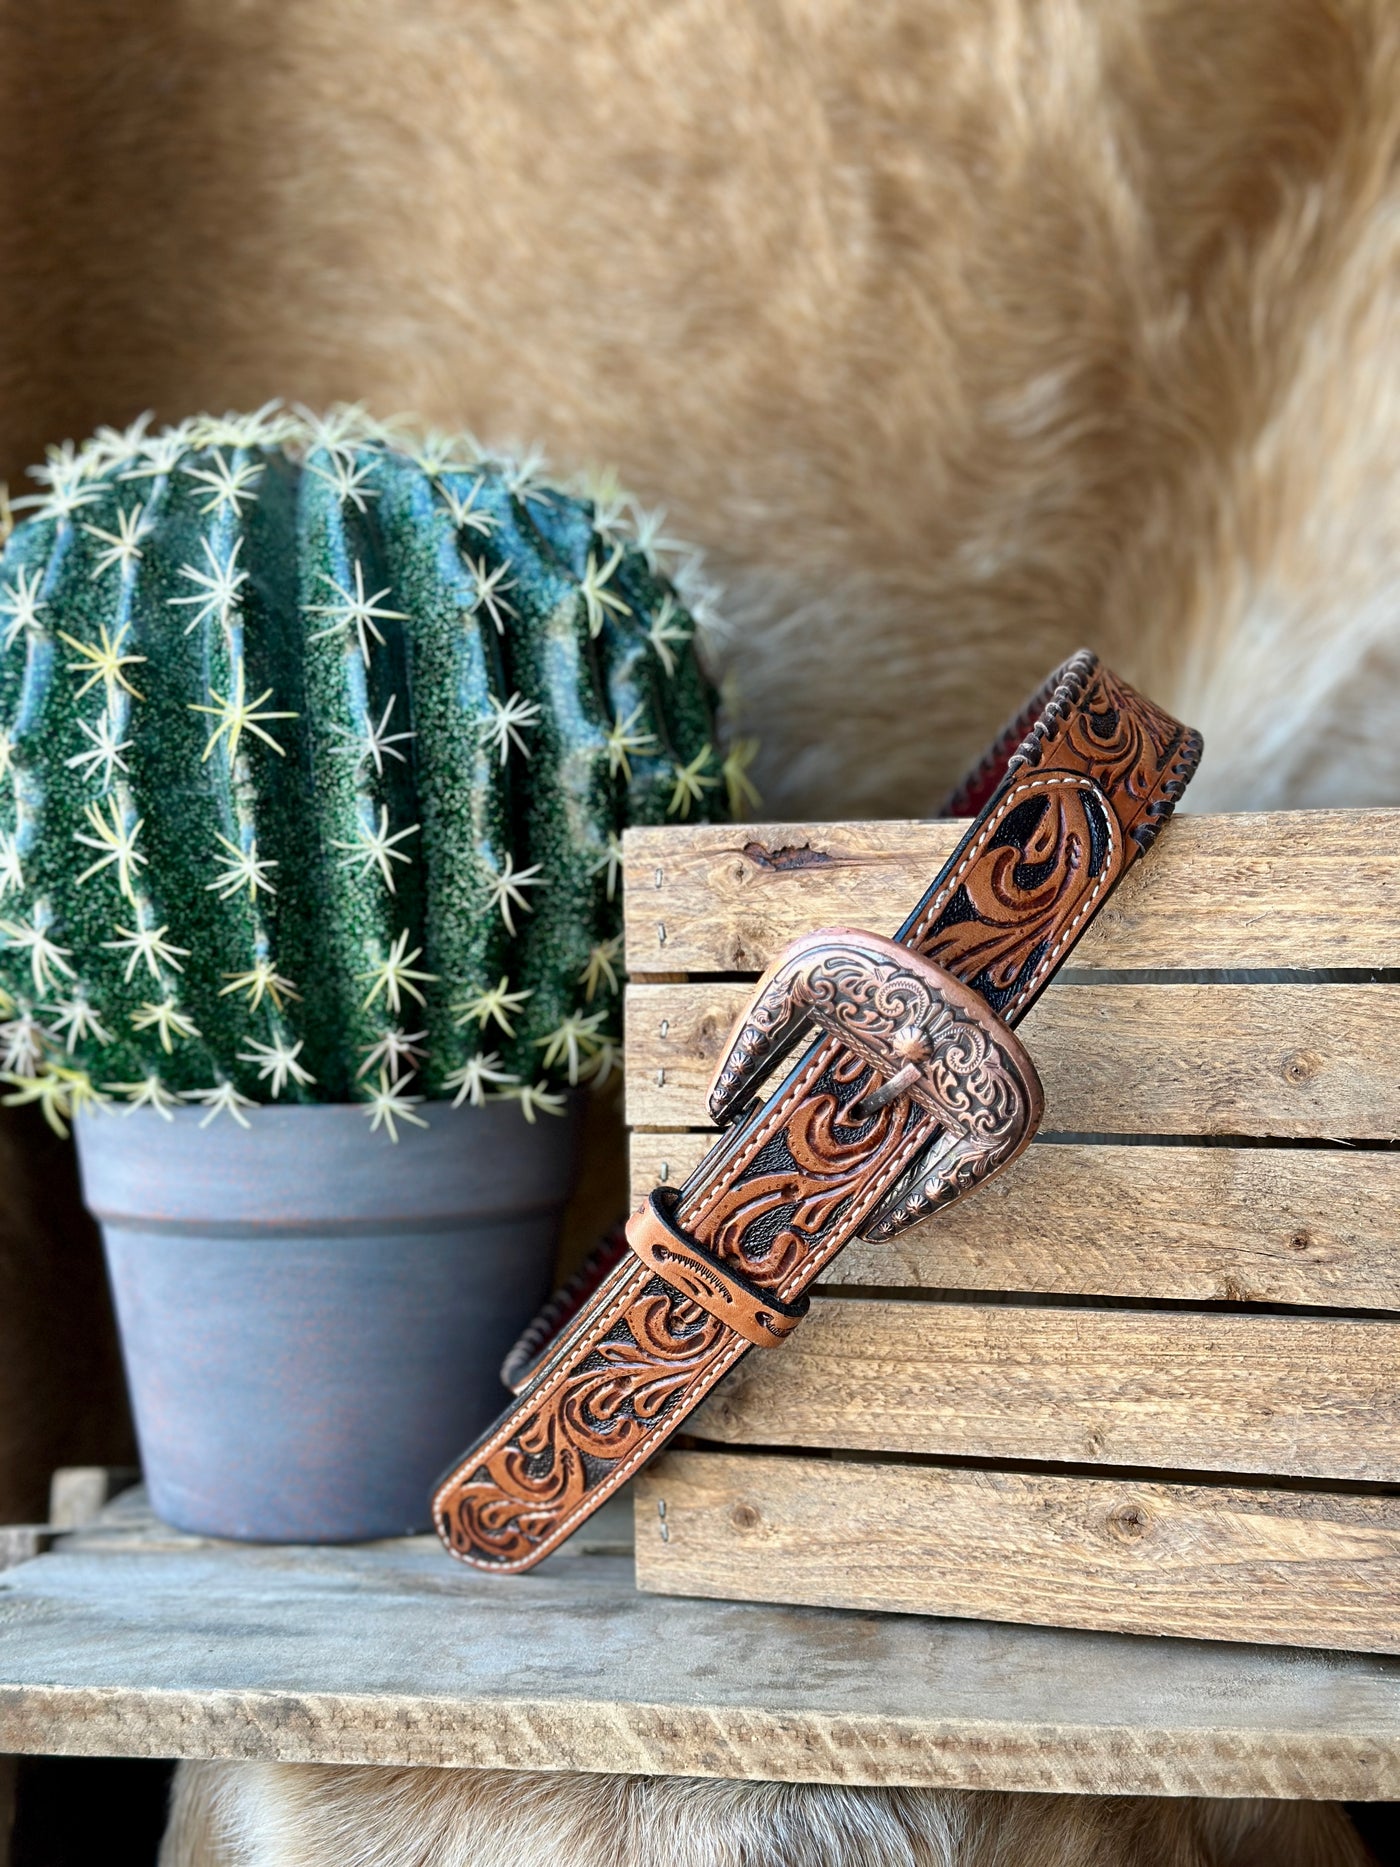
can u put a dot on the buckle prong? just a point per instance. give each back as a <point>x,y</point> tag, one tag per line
<point>885,1092</point>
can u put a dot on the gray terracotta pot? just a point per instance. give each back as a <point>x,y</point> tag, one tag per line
<point>312,1318</point>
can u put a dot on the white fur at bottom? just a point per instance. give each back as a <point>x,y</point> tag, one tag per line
<point>325,1815</point>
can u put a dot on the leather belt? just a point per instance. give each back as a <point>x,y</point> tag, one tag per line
<point>911,1090</point>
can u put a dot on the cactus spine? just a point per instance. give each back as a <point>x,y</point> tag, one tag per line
<point>315,747</point>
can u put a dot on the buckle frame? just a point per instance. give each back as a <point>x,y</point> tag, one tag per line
<point>924,1033</point>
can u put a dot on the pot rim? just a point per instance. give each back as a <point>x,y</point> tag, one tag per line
<point>308,1167</point>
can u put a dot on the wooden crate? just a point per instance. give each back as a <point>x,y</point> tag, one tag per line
<point>1149,1379</point>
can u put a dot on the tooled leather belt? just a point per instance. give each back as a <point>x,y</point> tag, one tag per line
<point>911,1090</point>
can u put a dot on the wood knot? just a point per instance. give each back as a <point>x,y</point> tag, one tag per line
<point>1301,1066</point>
<point>1128,1522</point>
<point>745,947</point>
<point>789,856</point>
<point>1301,1241</point>
<point>744,1517</point>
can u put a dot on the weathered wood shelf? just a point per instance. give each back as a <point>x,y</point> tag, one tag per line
<point>129,1639</point>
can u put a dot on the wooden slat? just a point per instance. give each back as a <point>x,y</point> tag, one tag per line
<point>1293,889</point>
<point>1296,1396</point>
<point>157,1646</point>
<point>1282,1060</point>
<point>20,1542</point>
<point>1231,1224</point>
<point>78,1494</point>
<point>663,1157</point>
<point>1288,1568</point>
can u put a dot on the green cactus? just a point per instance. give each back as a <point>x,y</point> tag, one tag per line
<point>315,748</point>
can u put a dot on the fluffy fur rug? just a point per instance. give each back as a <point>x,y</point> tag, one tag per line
<point>256,1815</point>
<point>957,332</point>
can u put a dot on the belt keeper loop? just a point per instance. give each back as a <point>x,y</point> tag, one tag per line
<point>685,1264</point>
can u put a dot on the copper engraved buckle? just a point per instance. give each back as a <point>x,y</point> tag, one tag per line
<point>926,1035</point>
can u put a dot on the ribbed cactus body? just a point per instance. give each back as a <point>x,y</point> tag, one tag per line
<point>315,749</point>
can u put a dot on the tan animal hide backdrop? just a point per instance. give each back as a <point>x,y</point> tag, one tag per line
<point>957,333</point>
